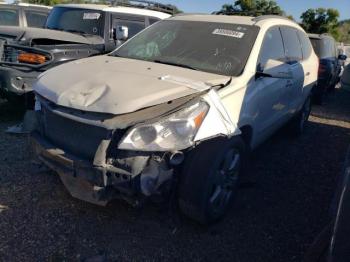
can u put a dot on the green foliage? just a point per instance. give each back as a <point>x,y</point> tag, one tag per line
<point>320,21</point>
<point>253,7</point>
<point>344,31</point>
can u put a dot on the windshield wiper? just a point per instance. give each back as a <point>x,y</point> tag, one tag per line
<point>174,64</point>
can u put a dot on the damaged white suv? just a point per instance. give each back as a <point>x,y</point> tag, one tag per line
<point>176,107</point>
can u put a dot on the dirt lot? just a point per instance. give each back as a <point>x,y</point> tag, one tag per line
<point>281,206</point>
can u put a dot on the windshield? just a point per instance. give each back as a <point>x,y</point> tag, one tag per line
<point>211,47</point>
<point>84,21</point>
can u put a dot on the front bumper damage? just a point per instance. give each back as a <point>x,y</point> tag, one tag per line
<point>84,152</point>
<point>83,149</point>
<point>15,82</point>
<point>130,177</point>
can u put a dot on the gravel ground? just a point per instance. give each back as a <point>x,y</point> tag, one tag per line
<point>281,205</point>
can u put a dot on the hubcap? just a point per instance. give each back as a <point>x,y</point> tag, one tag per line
<point>225,180</point>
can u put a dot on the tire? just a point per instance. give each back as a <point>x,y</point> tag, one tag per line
<point>209,179</point>
<point>297,125</point>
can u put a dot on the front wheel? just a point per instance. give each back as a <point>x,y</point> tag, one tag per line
<point>209,179</point>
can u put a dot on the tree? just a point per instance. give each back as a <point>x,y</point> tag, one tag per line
<point>344,30</point>
<point>252,7</point>
<point>320,21</point>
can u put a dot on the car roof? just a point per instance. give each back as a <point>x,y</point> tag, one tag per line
<point>261,21</point>
<point>119,9</point>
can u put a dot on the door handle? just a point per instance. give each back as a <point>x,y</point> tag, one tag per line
<point>307,74</point>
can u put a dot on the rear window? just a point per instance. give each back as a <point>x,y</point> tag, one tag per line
<point>306,46</point>
<point>35,19</point>
<point>9,17</point>
<point>324,48</point>
<point>292,44</point>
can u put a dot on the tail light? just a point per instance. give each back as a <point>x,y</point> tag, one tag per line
<point>31,58</point>
<point>322,68</point>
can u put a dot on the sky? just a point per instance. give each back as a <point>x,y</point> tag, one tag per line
<point>293,7</point>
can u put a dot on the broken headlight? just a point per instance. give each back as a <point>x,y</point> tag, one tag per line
<point>175,132</point>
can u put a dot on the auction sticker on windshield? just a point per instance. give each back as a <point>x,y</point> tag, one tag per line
<point>91,16</point>
<point>227,32</point>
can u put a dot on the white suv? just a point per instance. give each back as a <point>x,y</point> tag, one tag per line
<point>176,107</point>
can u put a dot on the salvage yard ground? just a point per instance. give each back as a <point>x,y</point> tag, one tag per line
<point>281,206</point>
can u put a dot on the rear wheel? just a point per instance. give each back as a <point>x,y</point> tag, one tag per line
<point>297,125</point>
<point>209,179</point>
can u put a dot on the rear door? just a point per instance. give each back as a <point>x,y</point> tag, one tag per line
<point>292,94</point>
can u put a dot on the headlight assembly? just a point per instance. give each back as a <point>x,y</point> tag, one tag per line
<point>175,132</point>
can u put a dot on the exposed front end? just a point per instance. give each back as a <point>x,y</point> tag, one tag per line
<point>87,158</point>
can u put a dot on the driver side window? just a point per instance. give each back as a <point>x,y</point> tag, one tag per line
<point>272,48</point>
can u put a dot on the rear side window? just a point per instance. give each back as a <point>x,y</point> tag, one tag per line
<point>9,17</point>
<point>306,46</point>
<point>272,47</point>
<point>324,47</point>
<point>317,45</point>
<point>291,44</point>
<point>35,19</point>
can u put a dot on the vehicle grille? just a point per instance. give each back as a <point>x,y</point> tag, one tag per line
<point>71,136</point>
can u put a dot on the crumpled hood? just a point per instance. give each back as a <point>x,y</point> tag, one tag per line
<point>113,85</point>
<point>27,34</point>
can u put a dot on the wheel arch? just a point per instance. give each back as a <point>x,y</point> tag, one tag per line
<point>247,134</point>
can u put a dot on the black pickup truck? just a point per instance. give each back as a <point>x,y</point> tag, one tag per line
<point>71,32</point>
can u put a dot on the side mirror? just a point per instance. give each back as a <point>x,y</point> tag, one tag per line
<point>121,33</point>
<point>275,69</point>
<point>342,57</point>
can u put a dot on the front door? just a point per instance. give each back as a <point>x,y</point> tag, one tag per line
<point>269,92</point>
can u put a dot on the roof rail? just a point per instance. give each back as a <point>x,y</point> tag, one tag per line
<point>241,13</point>
<point>144,4</point>
<point>263,17</point>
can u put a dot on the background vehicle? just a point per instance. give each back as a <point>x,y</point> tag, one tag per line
<point>330,65</point>
<point>344,49</point>
<point>179,111</point>
<point>71,32</point>
<point>23,15</point>
<point>345,78</point>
